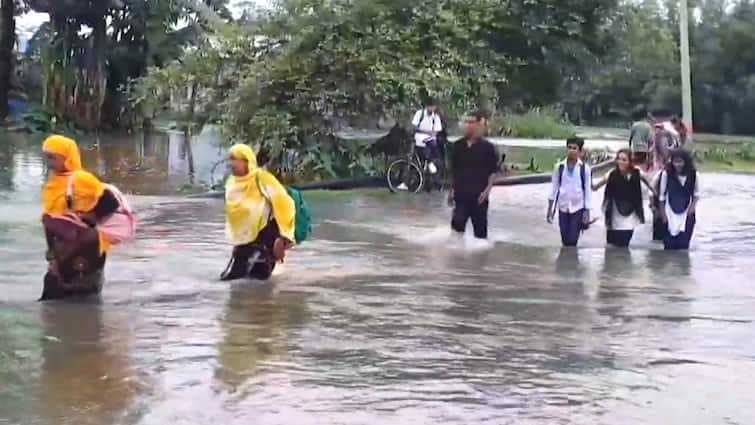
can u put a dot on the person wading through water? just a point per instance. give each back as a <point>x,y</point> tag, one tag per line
<point>76,249</point>
<point>260,218</point>
<point>678,196</point>
<point>622,203</point>
<point>570,193</point>
<point>474,165</point>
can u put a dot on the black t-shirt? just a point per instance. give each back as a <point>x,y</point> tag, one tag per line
<point>472,166</point>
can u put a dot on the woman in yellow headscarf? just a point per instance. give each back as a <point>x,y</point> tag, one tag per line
<point>259,217</point>
<point>73,201</point>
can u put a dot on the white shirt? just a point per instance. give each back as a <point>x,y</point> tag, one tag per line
<point>623,222</point>
<point>571,195</point>
<point>677,223</point>
<point>429,123</point>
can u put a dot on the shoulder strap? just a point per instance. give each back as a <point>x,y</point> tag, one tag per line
<point>421,117</point>
<point>560,173</point>
<point>583,176</point>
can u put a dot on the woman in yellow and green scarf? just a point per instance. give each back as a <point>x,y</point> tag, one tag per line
<point>259,217</point>
<point>73,200</point>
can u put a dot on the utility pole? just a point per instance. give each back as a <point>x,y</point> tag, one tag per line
<point>686,78</point>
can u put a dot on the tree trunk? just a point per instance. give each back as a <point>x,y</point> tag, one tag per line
<point>188,130</point>
<point>100,78</point>
<point>7,41</point>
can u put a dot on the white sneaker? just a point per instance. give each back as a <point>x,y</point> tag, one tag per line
<point>433,169</point>
<point>402,186</point>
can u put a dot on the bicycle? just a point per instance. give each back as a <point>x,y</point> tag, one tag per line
<point>414,173</point>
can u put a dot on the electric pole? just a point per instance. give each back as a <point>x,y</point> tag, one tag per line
<point>686,78</point>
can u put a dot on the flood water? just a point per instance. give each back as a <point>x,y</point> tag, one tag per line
<point>380,318</point>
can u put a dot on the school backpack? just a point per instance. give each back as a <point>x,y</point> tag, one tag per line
<point>302,215</point>
<point>120,226</point>
<point>302,218</point>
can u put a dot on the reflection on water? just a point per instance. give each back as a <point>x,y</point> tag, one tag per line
<point>145,164</point>
<point>85,374</point>
<point>254,327</point>
<point>382,318</point>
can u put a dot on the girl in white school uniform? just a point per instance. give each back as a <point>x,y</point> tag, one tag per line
<point>678,195</point>
<point>622,202</point>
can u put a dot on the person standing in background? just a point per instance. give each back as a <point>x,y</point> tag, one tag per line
<point>681,129</point>
<point>640,137</point>
<point>427,125</point>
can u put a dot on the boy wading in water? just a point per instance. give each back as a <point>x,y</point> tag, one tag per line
<point>474,165</point>
<point>571,193</point>
<point>622,202</point>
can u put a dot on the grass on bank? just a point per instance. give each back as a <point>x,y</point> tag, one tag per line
<point>537,123</point>
<point>721,157</point>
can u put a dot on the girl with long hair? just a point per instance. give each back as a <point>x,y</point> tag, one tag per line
<point>678,196</point>
<point>622,203</point>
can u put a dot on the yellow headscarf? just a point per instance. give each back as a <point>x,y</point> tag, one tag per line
<point>247,209</point>
<point>87,189</point>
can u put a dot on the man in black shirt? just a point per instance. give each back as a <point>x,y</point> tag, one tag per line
<point>474,164</point>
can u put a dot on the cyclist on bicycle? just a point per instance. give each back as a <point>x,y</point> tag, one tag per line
<point>427,127</point>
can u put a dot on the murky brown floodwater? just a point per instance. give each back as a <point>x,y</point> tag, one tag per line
<point>380,319</point>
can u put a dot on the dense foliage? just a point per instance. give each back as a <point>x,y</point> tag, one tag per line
<point>297,72</point>
<point>643,66</point>
<point>288,79</point>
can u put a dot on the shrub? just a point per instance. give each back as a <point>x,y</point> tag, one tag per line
<point>537,123</point>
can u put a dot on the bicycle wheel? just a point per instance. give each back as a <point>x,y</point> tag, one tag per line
<point>403,175</point>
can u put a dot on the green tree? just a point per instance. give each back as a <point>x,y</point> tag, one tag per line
<point>724,67</point>
<point>641,68</point>
<point>97,47</point>
<point>287,78</point>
